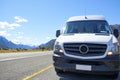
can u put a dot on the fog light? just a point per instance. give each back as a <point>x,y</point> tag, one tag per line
<point>61,50</point>
<point>110,53</point>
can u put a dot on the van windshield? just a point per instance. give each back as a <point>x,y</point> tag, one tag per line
<point>90,26</point>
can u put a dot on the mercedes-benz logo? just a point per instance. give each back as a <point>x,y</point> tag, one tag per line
<point>83,49</point>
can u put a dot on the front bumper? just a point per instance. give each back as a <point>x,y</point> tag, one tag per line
<point>107,65</point>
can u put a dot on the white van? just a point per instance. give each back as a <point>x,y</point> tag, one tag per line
<point>87,44</point>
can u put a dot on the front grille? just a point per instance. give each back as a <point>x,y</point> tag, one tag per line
<point>93,49</point>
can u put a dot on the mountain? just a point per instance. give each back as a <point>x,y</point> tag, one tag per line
<point>25,46</point>
<point>49,44</point>
<point>4,43</point>
<point>115,26</point>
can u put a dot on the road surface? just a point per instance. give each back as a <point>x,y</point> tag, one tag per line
<point>37,66</point>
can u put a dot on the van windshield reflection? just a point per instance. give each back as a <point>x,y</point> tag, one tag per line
<point>94,26</point>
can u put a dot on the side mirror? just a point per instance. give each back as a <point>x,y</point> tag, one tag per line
<point>116,33</point>
<point>57,33</point>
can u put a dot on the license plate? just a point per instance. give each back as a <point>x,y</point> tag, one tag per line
<point>83,67</point>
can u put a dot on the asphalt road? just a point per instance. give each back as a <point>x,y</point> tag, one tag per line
<point>37,66</point>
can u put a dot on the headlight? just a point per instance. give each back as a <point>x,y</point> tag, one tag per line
<point>110,53</point>
<point>58,48</point>
<point>114,49</point>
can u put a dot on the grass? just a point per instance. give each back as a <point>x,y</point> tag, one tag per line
<point>21,50</point>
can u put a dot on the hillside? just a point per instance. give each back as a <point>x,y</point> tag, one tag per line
<point>48,45</point>
<point>4,43</point>
<point>115,26</point>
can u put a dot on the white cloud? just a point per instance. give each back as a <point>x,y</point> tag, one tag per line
<point>15,41</point>
<point>20,37</point>
<point>20,19</point>
<point>4,33</point>
<point>48,38</point>
<point>14,25</point>
<point>5,24</point>
<point>20,33</point>
<point>26,40</point>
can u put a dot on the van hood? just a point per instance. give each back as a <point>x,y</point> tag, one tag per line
<point>86,38</point>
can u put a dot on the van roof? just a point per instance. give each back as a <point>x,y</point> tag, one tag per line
<point>87,17</point>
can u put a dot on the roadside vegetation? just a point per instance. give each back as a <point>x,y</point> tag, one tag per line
<point>48,47</point>
<point>7,50</point>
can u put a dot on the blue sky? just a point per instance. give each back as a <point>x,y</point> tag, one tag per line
<point>34,22</point>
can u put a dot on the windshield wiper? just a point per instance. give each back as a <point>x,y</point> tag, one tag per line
<point>102,34</point>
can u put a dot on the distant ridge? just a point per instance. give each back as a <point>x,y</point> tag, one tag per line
<point>115,26</point>
<point>49,44</point>
<point>4,43</point>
